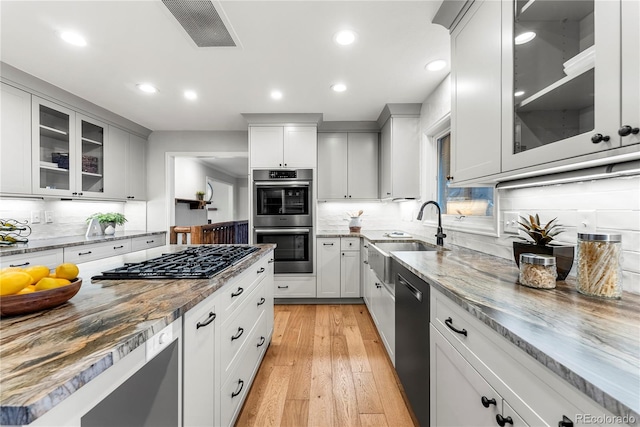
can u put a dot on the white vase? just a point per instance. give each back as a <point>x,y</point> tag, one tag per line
<point>110,230</point>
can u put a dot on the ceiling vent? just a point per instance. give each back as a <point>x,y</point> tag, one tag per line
<point>201,21</point>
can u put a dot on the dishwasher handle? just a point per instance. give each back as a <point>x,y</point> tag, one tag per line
<point>415,291</point>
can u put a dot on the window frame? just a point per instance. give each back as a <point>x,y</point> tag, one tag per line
<point>482,225</point>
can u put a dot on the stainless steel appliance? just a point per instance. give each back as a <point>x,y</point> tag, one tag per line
<point>198,262</point>
<point>282,198</point>
<point>412,339</point>
<point>283,214</point>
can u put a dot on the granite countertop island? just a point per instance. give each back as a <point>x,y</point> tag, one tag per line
<point>592,343</point>
<point>46,356</point>
<point>37,245</point>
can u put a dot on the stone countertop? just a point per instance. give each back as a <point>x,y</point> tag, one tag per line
<point>371,235</point>
<point>46,356</point>
<point>592,343</point>
<point>63,242</point>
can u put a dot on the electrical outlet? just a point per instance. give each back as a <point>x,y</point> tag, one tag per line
<point>586,222</point>
<point>510,225</point>
<point>48,217</point>
<point>35,217</point>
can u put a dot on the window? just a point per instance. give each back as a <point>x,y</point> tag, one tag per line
<point>465,201</point>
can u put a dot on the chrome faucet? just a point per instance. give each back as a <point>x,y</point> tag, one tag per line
<point>439,235</point>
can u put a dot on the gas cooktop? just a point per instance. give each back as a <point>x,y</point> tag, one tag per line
<point>200,262</point>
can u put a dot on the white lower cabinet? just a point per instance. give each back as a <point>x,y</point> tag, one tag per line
<point>147,242</point>
<point>94,251</point>
<point>381,303</point>
<point>223,347</point>
<point>338,267</point>
<point>479,362</point>
<point>51,258</point>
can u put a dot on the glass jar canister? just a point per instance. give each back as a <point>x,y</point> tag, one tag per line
<point>538,271</point>
<point>599,265</point>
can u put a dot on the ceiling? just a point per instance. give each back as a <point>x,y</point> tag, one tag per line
<point>284,45</point>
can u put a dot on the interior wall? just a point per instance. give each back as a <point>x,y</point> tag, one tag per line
<point>242,199</point>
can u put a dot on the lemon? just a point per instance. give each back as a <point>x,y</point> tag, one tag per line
<point>29,289</point>
<point>37,272</point>
<point>13,282</point>
<point>48,283</point>
<point>67,271</point>
<point>8,269</point>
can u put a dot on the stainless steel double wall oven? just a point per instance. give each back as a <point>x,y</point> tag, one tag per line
<point>282,214</point>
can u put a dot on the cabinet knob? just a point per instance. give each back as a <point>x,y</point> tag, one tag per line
<point>378,285</point>
<point>486,402</point>
<point>627,130</point>
<point>449,178</point>
<point>280,164</point>
<point>345,196</point>
<point>502,421</point>
<point>598,138</point>
<point>74,194</point>
<point>566,422</point>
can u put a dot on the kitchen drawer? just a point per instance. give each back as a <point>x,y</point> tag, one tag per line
<point>534,392</point>
<point>51,258</point>
<point>350,244</point>
<point>295,287</point>
<point>147,242</point>
<point>84,253</point>
<point>235,389</point>
<point>233,294</point>
<point>236,330</point>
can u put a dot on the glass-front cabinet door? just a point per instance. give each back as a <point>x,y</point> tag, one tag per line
<point>565,88</point>
<point>53,139</point>
<point>90,174</point>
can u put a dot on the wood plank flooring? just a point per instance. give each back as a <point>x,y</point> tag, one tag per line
<point>326,366</point>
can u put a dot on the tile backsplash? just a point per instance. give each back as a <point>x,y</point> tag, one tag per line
<point>607,206</point>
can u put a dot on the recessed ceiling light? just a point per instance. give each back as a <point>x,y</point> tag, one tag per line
<point>339,87</point>
<point>276,94</point>
<point>436,65</point>
<point>345,37</point>
<point>190,94</point>
<point>519,93</point>
<point>525,37</point>
<point>73,38</point>
<point>147,87</point>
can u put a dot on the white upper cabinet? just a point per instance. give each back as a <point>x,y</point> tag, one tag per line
<point>476,49</point>
<point>128,150</point>
<point>400,158</point>
<point>630,73</point>
<point>348,165</point>
<point>283,146</point>
<point>92,138</point>
<point>570,106</point>
<point>15,140</point>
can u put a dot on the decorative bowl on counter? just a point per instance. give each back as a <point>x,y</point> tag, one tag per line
<point>11,305</point>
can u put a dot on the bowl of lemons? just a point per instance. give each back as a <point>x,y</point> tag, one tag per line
<point>35,288</point>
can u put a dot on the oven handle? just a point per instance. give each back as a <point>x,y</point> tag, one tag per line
<point>281,231</point>
<point>282,184</point>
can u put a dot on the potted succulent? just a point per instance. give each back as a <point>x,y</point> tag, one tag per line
<point>539,242</point>
<point>108,221</point>
<point>200,195</point>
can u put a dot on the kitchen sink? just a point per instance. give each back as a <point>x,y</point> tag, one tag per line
<point>380,255</point>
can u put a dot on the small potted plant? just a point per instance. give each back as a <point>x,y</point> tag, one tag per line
<point>539,242</point>
<point>200,195</point>
<point>108,221</point>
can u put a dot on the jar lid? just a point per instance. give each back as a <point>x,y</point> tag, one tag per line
<point>600,237</point>
<point>537,259</point>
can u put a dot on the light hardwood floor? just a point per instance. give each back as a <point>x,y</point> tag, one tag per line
<point>326,366</point>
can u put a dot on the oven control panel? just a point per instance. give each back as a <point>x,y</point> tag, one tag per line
<point>283,174</point>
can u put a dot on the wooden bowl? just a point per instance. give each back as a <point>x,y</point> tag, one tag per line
<point>11,305</point>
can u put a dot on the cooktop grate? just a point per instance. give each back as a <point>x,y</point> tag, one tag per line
<point>200,262</point>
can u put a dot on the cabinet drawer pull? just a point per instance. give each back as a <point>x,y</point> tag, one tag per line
<point>211,318</point>
<point>238,391</point>
<point>566,422</point>
<point>262,341</point>
<point>84,253</point>
<point>271,261</point>
<point>378,285</point>
<point>118,247</point>
<point>449,323</point>
<point>327,244</point>
<point>20,265</point>
<point>486,402</point>
<point>236,293</point>
<point>502,421</point>
<point>238,334</point>
<point>150,241</point>
<point>283,287</point>
<point>261,270</point>
<point>365,262</point>
<point>262,301</point>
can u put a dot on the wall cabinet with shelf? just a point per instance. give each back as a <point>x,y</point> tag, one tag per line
<point>348,165</point>
<point>15,140</point>
<point>282,146</point>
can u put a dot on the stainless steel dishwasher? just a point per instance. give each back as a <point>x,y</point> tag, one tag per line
<point>412,339</point>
